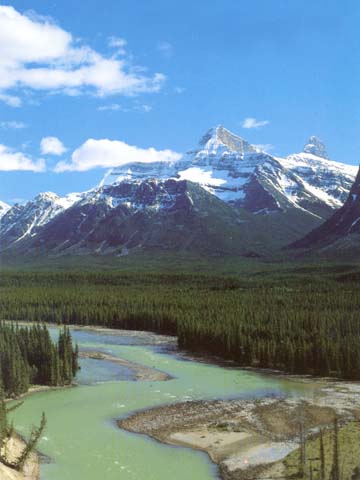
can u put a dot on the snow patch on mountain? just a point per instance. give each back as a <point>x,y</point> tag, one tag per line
<point>239,173</point>
<point>219,140</point>
<point>327,180</point>
<point>4,207</point>
<point>223,164</point>
<point>22,221</point>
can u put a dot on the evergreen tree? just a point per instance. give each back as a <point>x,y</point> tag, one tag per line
<point>28,356</point>
<point>322,456</point>
<point>335,470</point>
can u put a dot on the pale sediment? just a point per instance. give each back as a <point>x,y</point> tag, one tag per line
<point>141,372</point>
<point>246,438</point>
<point>31,469</point>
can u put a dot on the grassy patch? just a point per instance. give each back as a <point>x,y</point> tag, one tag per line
<point>349,446</point>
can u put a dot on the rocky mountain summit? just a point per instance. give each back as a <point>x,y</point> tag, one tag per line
<point>225,195</point>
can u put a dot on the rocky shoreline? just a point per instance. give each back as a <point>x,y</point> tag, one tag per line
<point>247,438</point>
<point>31,469</point>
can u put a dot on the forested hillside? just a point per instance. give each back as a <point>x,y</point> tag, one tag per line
<point>29,356</point>
<point>300,322</point>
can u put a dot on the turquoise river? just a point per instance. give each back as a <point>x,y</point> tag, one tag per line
<point>82,440</point>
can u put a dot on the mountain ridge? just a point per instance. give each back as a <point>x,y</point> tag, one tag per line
<point>281,198</point>
<point>344,223</point>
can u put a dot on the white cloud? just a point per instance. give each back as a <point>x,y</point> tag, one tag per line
<point>12,160</point>
<point>36,54</point>
<point>12,125</point>
<point>166,49</point>
<point>52,146</point>
<point>251,122</point>
<point>10,100</point>
<point>179,90</point>
<point>119,44</point>
<point>116,107</point>
<point>112,153</point>
<point>144,108</point>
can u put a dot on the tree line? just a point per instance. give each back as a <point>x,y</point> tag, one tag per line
<point>300,324</point>
<point>28,356</point>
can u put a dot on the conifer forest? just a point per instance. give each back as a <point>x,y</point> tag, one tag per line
<point>301,324</point>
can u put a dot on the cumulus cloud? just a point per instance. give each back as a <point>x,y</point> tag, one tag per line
<point>52,146</point>
<point>12,125</point>
<point>112,153</point>
<point>251,122</point>
<point>11,160</point>
<point>36,54</point>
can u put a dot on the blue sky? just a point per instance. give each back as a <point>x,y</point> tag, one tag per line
<point>178,68</point>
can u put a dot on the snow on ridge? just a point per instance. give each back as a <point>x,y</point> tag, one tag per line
<point>225,163</point>
<point>35,213</point>
<point>219,140</point>
<point>69,200</point>
<point>310,160</point>
<point>4,208</point>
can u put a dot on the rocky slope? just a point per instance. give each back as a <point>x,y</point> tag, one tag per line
<point>23,221</point>
<point>225,196</point>
<point>244,176</point>
<point>4,207</point>
<point>341,228</point>
<point>151,214</point>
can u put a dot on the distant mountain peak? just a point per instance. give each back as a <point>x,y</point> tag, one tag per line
<point>4,207</point>
<point>345,221</point>
<point>316,147</point>
<point>219,136</point>
<point>46,197</point>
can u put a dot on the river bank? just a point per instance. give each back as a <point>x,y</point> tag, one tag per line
<point>236,434</point>
<point>141,372</point>
<point>248,438</point>
<point>31,469</point>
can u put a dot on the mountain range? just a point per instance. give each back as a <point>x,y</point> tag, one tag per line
<point>341,232</point>
<point>226,196</point>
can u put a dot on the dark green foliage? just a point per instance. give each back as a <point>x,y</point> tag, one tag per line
<point>3,421</point>
<point>29,356</point>
<point>303,323</point>
<point>356,474</point>
<point>322,456</point>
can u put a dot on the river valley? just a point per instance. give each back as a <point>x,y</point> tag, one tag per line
<point>82,440</point>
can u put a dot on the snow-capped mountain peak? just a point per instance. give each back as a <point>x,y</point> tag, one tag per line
<point>23,221</point>
<point>45,197</point>
<point>306,185</point>
<point>239,173</point>
<point>316,147</point>
<point>4,207</point>
<point>220,139</point>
